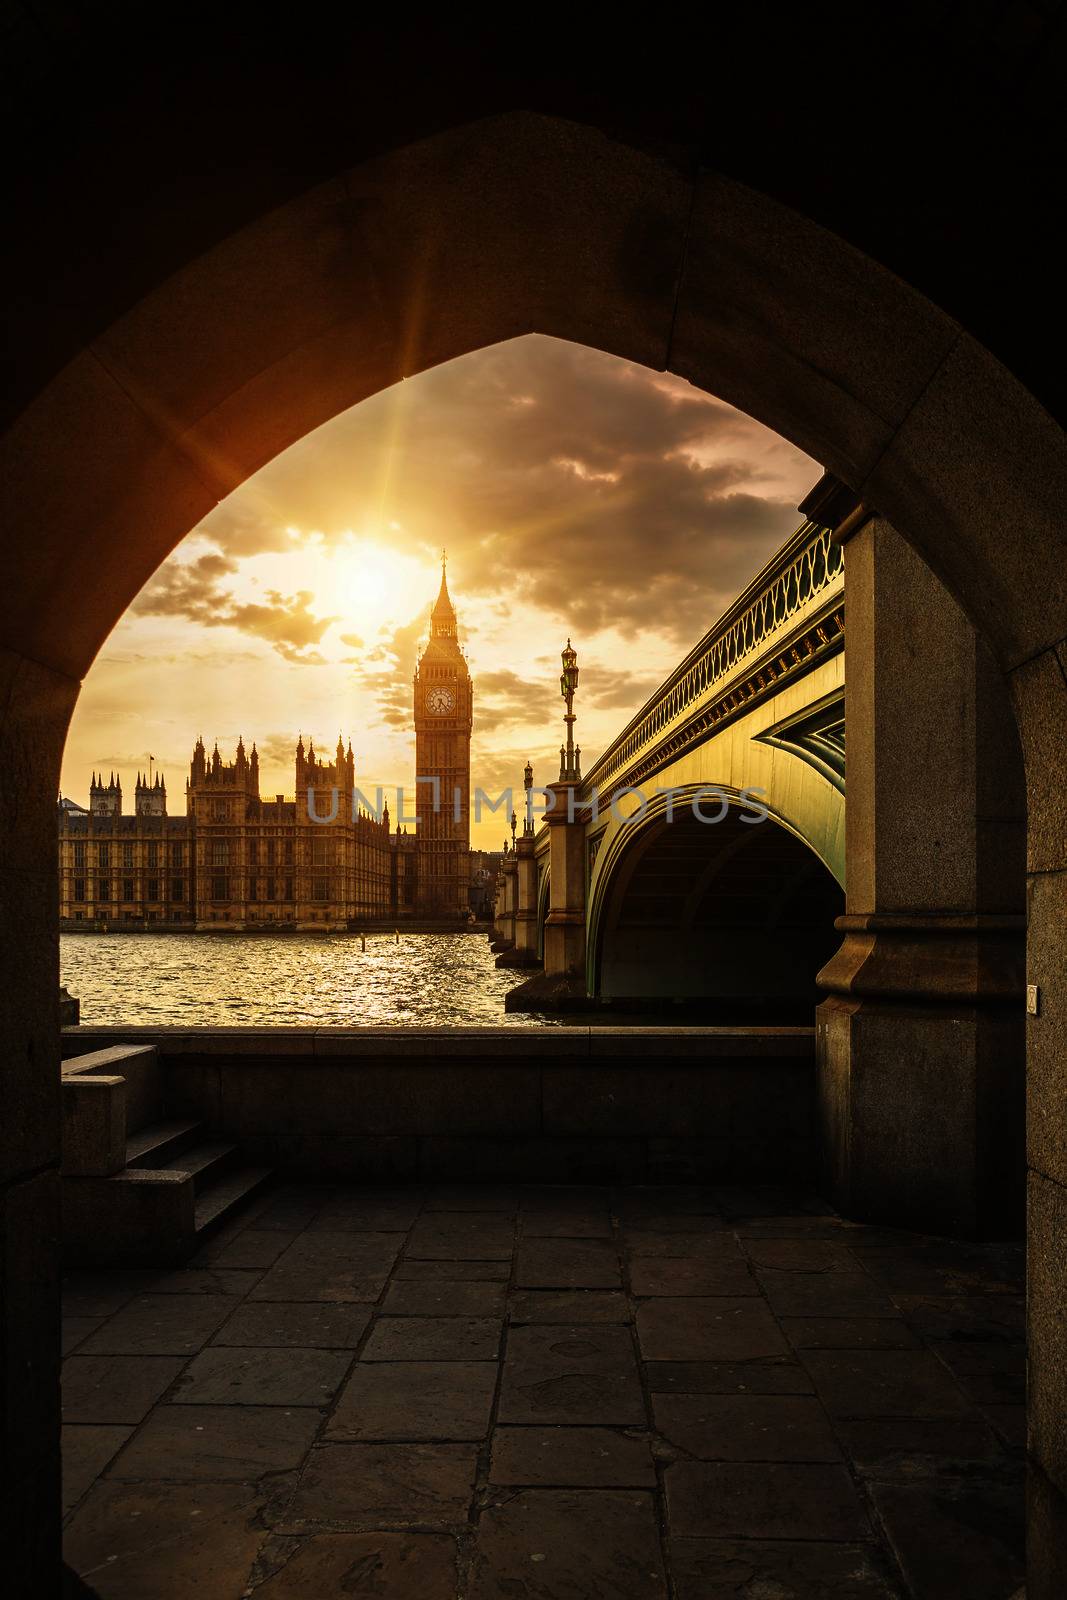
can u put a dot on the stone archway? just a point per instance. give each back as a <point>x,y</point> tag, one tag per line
<point>516,223</point>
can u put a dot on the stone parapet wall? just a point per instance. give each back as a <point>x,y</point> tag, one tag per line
<point>556,1105</point>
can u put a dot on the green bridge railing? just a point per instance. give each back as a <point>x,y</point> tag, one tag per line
<point>807,567</point>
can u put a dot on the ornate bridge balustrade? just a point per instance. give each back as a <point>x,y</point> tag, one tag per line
<point>789,617</point>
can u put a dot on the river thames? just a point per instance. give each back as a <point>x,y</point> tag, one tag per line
<point>235,980</point>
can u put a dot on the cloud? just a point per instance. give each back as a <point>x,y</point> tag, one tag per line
<point>504,698</point>
<point>556,475</point>
<point>194,590</point>
<point>246,524</point>
<point>387,668</point>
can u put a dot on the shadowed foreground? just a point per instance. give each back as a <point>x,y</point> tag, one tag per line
<point>546,1392</point>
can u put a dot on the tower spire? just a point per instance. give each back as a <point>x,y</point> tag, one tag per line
<point>443,615</point>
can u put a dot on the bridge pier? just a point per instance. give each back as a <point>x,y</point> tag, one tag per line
<point>920,1041</point>
<point>503,936</point>
<point>523,952</point>
<point>562,983</point>
<point>507,913</point>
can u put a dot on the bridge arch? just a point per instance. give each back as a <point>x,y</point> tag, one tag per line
<point>737,912</point>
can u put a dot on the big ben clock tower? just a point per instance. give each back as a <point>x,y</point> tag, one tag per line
<point>444,700</point>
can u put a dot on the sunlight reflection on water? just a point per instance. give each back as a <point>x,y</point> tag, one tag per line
<point>428,979</point>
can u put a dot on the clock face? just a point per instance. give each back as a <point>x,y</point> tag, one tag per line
<point>439,702</point>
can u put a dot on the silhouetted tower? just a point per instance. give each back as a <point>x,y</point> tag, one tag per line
<point>444,702</point>
<point>105,800</point>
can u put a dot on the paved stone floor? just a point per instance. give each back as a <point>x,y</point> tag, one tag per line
<point>547,1394</point>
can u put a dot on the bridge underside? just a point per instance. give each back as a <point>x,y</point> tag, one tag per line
<point>739,914</point>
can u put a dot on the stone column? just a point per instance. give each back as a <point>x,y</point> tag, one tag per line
<point>565,922</point>
<point>36,706</point>
<point>921,1039</point>
<point>524,952</point>
<point>506,922</point>
<point>561,986</point>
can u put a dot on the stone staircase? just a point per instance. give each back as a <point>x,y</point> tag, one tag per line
<point>139,1187</point>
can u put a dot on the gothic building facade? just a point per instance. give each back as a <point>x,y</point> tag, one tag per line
<point>323,859</point>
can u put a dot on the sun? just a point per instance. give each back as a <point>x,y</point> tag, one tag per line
<point>372,583</point>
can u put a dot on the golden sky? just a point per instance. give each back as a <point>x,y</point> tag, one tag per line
<point>576,494</point>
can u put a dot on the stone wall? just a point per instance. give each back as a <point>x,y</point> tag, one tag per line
<point>549,1105</point>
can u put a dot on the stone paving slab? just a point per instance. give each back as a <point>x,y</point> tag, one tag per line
<point>848,1333</point>
<point>361,1214</point>
<point>829,1294</point>
<point>960,1533</point>
<point>965,1317</point>
<point>451,1270</point>
<point>690,1275</point>
<point>380,1485</point>
<point>570,1544</point>
<point>584,1374</point>
<point>322,1281</point>
<point>568,1264</point>
<point>76,1329</point>
<point>368,1254</point>
<point>134,1541</point>
<point>206,1280</point>
<point>268,1377</point>
<point>320,1324</point>
<point>253,1248</point>
<point>800,1255</point>
<point>460,1237</point>
<point>550,1392</point>
<point>665,1246</point>
<point>574,1458</point>
<point>712,1329</point>
<point>161,1325</point>
<point>749,1427</point>
<point>434,1339</point>
<point>420,1401</point>
<point>725,1569</point>
<point>567,1225</point>
<point>217,1444</point>
<point>116,1389</point>
<point>945,1267</point>
<point>906,1448</point>
<point>387,1566</point>
<point>415,1299</point>
<point>569,1305</point>
<point>778,1375</point>
<point>101,1294</point>
<point>87,1450</point>
<point>884,1383</point>
<point>771,1500</point>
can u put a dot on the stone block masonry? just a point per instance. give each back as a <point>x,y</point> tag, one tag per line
<point>480,1391</point>
<point>573,1104</point>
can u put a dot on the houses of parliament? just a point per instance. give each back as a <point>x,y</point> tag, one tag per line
<point>321,860</point>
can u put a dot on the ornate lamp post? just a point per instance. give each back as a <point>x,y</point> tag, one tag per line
<point>570,758</point>
<point>514,824</point>
<point>527,783</point>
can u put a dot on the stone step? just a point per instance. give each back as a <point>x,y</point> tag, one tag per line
<point>217,1203</point>
<point>157,1144</point>
<point>205,1163</point>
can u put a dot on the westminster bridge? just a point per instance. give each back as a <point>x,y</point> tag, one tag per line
<point>752,717</point>
<point>713,856</point>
